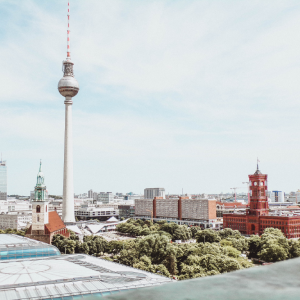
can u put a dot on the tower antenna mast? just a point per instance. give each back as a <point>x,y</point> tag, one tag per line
<point>68,33</point>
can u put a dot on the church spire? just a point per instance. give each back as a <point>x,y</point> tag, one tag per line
<point>40,187</point>
<point>40,176</point>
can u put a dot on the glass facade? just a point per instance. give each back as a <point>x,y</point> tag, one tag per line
<point>3,180</point>
<point>17,247</point>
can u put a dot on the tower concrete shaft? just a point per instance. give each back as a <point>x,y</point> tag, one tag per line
<point>68,88</point>
<point>68,191</point>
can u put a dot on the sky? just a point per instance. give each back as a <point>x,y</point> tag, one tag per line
<point>179,94</point>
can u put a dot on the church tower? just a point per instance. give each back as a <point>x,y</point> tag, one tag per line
<point>40,214</point>
<point>45,224</point>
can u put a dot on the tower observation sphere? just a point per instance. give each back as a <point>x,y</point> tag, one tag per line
<point>68,88</point>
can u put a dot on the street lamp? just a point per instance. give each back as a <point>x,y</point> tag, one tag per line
<point>151,214</point>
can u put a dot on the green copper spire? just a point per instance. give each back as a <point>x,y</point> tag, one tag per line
<point>40,187</point>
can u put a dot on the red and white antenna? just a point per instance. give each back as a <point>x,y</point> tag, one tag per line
<point>68,33</point>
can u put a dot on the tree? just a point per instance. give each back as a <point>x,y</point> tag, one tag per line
<point>145,231</point>
<point>254,246</point>
<point>241,243</point>
<point>157,247</point>
<point>69,246</point>
<point>114,247</point>
<point>58,241</point>
<point>220,263</point>
<point>182,232</point>
<point>169,227</point>
<point>191,271</point>
<point>273,251</point>
<point>207,235</point>
<point>146,265</point>
<point>273,233</point>
<point>228,232</point>
<point>194,230</point>
<point>84,248</point>
<point>73,236</point>
<point>294,250</point>
<point>232,252</point>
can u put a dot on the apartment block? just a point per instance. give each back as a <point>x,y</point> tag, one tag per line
<point>181,208</point>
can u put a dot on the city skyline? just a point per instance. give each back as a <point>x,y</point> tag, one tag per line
<point>162,103</point>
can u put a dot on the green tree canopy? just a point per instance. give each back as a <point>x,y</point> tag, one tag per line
<point>207,236</point>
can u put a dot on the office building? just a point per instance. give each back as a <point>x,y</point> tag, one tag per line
<point>258,217</point>
<point>105,198</point>
<point>150,193</point>
<point>15,220</point>
<point>181,210</point>
<point>277,196</point>
<point>126,211</point>
<point>90,211</point>
<point>3,180</point>
<point>90,194</point>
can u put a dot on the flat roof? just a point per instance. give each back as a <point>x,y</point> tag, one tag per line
<point>69,275</point>
<point>15,240</point>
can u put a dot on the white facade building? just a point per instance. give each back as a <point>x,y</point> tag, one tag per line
<point>16,205</point>
<point>15,220</point>
<point>277,196</point>
<point>105,197</point>
<point>91,211</point>
<point>150,193</point>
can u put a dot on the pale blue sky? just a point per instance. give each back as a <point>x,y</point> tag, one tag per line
<point>176,94</point>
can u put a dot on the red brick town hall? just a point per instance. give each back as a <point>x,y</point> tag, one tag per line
<point>257,216</point>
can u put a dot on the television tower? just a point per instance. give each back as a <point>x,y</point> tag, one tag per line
<point>68,88</point>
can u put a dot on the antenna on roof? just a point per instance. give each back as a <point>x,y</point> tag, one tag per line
<point>257,163</point>
<point>68,33</point>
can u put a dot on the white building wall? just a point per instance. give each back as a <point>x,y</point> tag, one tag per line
<point>150,193</point>
<point>277,196</point>
<point>14,220</point>
<point>39,219</point>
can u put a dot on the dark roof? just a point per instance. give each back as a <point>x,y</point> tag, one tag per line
<point>257,172</point>
<point>55,222</point>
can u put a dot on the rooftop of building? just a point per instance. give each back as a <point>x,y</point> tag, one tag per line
<point>70,275</point>
<point>55,222</point>
<point>232,204</point>
<point>273,282</point>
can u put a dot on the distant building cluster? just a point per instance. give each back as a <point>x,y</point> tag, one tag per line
<point>204,210</point>
<point>258,217</point>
